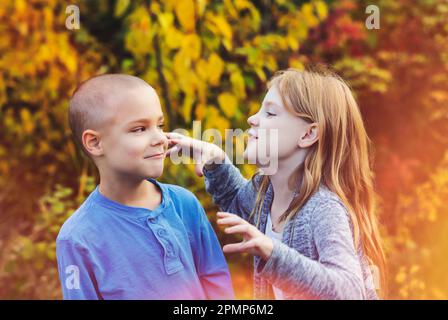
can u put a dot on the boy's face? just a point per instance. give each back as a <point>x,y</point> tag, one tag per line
<point>133,142</point>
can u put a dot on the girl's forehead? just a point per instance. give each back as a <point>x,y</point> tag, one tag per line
<point>273,98</point>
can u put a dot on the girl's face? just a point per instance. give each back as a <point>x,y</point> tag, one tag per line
<point>276,135</point>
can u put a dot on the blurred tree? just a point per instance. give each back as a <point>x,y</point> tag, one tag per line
<point>400,75</point>
<point>209,61</point>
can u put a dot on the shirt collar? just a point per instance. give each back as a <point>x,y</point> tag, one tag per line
<point>131,211</point>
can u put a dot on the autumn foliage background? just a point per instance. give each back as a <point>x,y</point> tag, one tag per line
<point>209,61</point>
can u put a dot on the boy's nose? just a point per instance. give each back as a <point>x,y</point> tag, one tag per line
<point>159,138</point>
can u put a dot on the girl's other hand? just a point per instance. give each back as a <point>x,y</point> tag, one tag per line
<point>254,241</point>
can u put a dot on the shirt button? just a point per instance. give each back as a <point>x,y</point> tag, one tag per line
<point>171,253</point>
<point>161,232</point>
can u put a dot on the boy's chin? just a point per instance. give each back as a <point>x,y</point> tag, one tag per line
<point>148,173</point>
<point>154,174</point>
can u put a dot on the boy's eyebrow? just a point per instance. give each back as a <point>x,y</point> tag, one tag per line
<point>161,118</point>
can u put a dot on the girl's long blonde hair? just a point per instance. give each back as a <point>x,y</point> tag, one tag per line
<point>340,159</point>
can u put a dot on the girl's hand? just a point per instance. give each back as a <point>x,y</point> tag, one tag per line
<point>254,241</point>
<point>203,153</point>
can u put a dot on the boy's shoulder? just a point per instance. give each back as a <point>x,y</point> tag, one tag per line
<point>180,194</point>
<point>184,200</point>
<point>79,224</point>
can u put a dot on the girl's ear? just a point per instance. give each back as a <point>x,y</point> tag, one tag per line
<point>309,136</point>
<point>92,143</point>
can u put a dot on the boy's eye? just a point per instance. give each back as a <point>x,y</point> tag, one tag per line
<point>138,129</point>
<point>270,114</point>
<point>161,126</point>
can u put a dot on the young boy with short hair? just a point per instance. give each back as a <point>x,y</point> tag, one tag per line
<point>133,237</point>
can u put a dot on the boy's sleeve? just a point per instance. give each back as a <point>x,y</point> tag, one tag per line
<point>75,272</point>
<point>211,264</point>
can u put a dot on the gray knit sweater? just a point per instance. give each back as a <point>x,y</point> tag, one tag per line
<point>316,258</point>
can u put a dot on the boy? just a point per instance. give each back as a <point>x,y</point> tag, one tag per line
<point>133,237</point>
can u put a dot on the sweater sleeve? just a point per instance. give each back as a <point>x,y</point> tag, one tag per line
<point>230,190</point>
<point>336,274</point>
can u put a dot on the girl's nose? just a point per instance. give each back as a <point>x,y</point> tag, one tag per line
<point>253,120</point>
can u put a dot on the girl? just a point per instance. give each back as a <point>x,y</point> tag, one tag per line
<point>311,225</point>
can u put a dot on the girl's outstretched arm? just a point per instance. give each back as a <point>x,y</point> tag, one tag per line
<point>225,183</point>
<point>229,189</point>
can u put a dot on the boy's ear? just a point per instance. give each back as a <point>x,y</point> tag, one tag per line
<point>310,136</point>
<point>91,142</point>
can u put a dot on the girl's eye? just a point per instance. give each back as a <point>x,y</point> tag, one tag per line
<point>270,114</point>
<point>138,129</point>
<point>161,126</point>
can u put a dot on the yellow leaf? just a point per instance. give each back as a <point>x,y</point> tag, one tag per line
<point>191,46</point>
<point>292,42</point>
<point>230,9</point>
<point>138,42</point>
<point>201,6</point>
<point>228,103</point>
<point>215,121</point>
<point>271,63</point>
<point>154,8</point>
<point>215,69</point>
<point>200,111</point>
<point>219,25</point>
<point>186,108</point>
<point>185,14</point>
<point>243,4</point>
<point>296,63</point>
<point>165,20</point>
<point>181,63</point>
<point>308,15</point>
<point>173,38</point>
<point>120,7</point>
<point>224,27</point>
<point>27,122</point>
<point>253,107</point>
<point>183,72</point>
<point>202,69</point>
<point>260,73</point>
<point>139,38</point>
<point>322,10</point>
<point>238,85</point>
<point>201,88</point>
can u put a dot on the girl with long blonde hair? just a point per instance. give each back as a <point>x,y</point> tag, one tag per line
<point>311,223</point>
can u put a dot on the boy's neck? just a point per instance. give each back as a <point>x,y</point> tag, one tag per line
<point>130,192</point>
